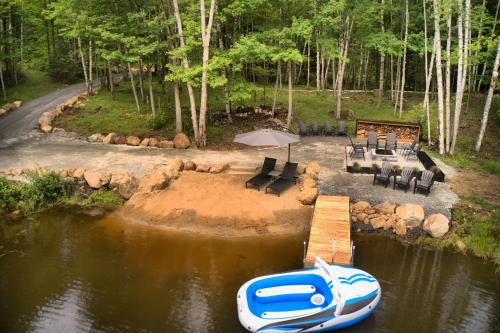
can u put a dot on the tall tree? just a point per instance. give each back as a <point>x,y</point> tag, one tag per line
<point>439,75</point>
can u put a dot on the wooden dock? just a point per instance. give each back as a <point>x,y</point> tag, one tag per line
<point>330,231</point>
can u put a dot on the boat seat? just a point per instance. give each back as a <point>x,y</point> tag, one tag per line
<point>285,293</point>
<point>289,314</point>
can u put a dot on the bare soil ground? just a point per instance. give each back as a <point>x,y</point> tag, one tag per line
<point>467,183</point>
<point>220,205</point>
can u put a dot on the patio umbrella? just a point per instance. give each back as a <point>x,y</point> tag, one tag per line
<point>267,137</point>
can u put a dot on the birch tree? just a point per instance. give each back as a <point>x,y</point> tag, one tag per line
<point>489,97</point>
<point>439,75</point>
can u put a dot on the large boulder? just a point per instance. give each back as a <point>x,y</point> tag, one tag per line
<point>109,139</point>
<point>308,183</point>
<point>400,228</point>
<point>181,141</point>
<point>378,222</point>
<point>133,140</point>
<point>154,180</point>
<point>17,104</point>
<point>8,107</point>
<point>96,179</point>
<point>177,164</point>
<point>76,173</point>
<point>120,140</point>
<point>385,207</point>
<point>166,144</point>
<point>218,167</point>
<point>45,122</point>
<point>203,168</point>
<point>308,196</point>
<point>2,111</point>
<point>436,225</point>
<point>412,214</point>
<point>125,184</point>
<point>361,206</point>
<point>144,142</point>
<point>153,142</point>
<point>98,137</point>
<point>189,165</point>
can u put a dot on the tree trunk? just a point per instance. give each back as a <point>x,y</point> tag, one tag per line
<point>341,77</point>
<point>133,86</point>
<point>151,93</point>
<point>4,94</point>
<point>487,105</point>
<point>185,65</point>
<point>178,110</point>
<point>84,66</point>
<point>448,81</point>
<point>141,86</point>
<point>308,63</point>
<point>111,82</point>
<point>428,72</point>
<point>299,73</point>
<point>403,74</point>
<point>462,75</point>
<point>382,62</point>
<point>90,89</point>
<point>365,75</point>
<point>479,33</point>
<point>275,96</point>
<point>485,65</point>
<point>318,69</point>
<point>439,76</point>
<point>223,71</point>
<point>205,33</point>
<point>290,93</point>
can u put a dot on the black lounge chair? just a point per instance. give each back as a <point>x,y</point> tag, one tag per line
<point>356,149</point>
<point>341,129</point>
<point>303,128</point>
<point>286,179</point>
<point>263,177</point>
<point>405,179</point>
<point>385,175</point>
<point>390,142</point>
<point>372,141</point>
<point>327,128</point>
<point>414,152</point>
<point>314,128</point>
<point>426,182</point>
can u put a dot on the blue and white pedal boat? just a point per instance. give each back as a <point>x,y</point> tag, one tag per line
<point>319,299</point>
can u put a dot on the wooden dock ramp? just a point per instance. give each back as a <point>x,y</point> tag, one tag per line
<point>330,236</point>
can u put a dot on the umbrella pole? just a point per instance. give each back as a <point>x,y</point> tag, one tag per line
<point>288,152</point>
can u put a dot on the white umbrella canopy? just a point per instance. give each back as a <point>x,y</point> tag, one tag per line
<point>267,137</point>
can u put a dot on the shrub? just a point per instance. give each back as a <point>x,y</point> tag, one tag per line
<point>42,191</point>
<point>9,196</point>
<point>435,169</point>
<point>103,198</point>
<point>356,167</point>
<point>396,168</point>
<point>375,167</point>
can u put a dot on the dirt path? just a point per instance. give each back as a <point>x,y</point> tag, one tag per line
<point>468,183</point>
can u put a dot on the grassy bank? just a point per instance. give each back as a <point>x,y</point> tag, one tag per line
<point>475,229</point>
<point>32,84</point>
<point>48,190</point>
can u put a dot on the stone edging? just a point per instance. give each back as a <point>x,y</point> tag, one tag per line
<point>159,177</point>
<point>9,107</point>
<point>403,220</point>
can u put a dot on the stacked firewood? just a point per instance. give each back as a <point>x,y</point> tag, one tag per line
<point>402,132</point>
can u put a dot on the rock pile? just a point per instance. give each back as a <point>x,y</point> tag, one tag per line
<point>308,176</point>
<point>9,107</point>
<point>180,141</point>
<point>47,118</point>
<point>400,220</point>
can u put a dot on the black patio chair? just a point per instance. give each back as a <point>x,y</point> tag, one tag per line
<point>390,141</point>
<point>357,149</point>
<point>327,128</point>
<point>385,174</point>
<point>286,179</point>
<point>372,141</point>
<point>405,179</point>
<point>341,129</point>
<point>263,177</point>
<point>303,128</point>
<point>426,182</point>
<point>407,147</point>
<point>314,129</point>
<point>414,152</point>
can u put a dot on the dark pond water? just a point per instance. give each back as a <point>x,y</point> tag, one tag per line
<point>68,272</point>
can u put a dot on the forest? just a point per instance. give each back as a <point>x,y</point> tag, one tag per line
<point>446,50</point>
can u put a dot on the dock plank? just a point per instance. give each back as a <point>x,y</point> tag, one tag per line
<point>330,222</point>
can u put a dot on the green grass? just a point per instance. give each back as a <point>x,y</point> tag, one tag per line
<point>104,198</point>
<point>32,84</point>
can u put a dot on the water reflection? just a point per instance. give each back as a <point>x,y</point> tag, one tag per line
<point>81,274</point>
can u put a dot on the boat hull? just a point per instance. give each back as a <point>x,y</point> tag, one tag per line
<point>307,300</point>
